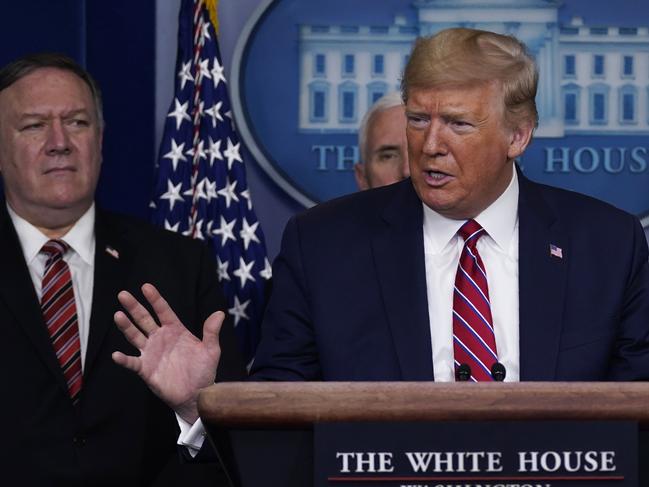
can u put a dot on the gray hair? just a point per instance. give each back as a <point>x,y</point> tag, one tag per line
<point>390,100</point>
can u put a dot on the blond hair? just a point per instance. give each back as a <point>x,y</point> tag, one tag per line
<point>464,56</point>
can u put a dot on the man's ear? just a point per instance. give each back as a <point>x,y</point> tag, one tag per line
<point>361,177</point>
<point>519,139</point>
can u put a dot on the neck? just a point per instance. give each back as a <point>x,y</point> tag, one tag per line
<point>53,223</point>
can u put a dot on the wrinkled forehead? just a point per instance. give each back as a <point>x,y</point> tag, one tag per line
<point>48,86</point>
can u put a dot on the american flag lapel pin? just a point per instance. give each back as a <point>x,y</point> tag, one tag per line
<point>112,252</point>
<point>556,251</point>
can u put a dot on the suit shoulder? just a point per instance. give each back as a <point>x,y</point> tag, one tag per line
<point>351,208</point>
<point>564,200</point>
<point>136,230</point>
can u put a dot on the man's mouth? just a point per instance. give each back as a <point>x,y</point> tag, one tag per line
<point>436,178</point>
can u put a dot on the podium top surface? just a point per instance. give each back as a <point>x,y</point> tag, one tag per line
<point>300,404</point>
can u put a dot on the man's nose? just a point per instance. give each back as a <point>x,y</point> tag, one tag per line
<point>58,139</point>
<point>434,144</point>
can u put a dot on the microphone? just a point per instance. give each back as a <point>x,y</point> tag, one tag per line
<point>498,372</point>
<point>463,373</point>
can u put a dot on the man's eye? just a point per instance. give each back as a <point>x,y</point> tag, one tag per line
<point>79,122</point>
<point>31,126</point>
<point>460,124</point>
<point>388,156</point>
<point>417,122</point>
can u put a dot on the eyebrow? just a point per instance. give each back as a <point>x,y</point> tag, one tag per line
<point>71,113</point>
<point>385,148</point>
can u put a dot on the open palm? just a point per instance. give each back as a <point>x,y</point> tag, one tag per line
<point>173,362</point>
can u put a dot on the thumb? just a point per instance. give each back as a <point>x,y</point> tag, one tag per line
<point>211,330</point>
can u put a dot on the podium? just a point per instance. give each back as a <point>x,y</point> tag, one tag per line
<point>263,431</point>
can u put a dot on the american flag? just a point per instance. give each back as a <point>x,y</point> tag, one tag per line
<point>201,188</point>
<point>556,251</point>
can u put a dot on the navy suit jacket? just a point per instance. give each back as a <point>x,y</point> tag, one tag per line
<point>349,291</point>
<point>119,433</point>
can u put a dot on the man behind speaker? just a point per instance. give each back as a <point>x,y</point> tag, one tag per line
<point>382,144</point>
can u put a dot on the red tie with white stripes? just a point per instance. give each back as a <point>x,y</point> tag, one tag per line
<point>474,342</point>
<point>60,314</point>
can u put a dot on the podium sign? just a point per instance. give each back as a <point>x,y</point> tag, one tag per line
<point>477,454</point>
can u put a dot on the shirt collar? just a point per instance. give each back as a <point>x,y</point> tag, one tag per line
<point>81,237</point>
<point>498,219</point>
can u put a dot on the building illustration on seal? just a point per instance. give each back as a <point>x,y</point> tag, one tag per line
<point>594,79</point>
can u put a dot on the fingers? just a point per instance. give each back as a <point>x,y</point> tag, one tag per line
<point>160,306</point>
<point>133,334</point>
<point>211,330</point>
<point>132,363</point>
<point>143,320</point>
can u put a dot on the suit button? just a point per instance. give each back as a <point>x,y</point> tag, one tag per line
<point>79,440</point>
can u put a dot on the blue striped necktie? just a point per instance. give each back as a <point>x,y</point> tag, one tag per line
<point>474,342</point>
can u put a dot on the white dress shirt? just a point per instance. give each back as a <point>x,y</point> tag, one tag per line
<point>80,258</point>
<point>498,249</point>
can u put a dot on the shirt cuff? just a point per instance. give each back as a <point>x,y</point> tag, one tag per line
<point>191,436</point>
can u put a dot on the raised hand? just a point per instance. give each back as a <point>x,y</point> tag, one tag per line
<point>173,362</point>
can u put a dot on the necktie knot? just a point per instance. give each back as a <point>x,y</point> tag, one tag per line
<point>54,248</point>
<point>471,232</point>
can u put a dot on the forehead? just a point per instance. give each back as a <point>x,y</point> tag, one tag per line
<point>472,97</point>
<point>391,119</point>
<point>46,89</point>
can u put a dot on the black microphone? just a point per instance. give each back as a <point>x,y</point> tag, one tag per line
<point>463,373</point>
<point>498,372</point>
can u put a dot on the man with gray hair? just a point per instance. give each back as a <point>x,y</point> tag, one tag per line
<point>467,270</point>
<point>382,144</point>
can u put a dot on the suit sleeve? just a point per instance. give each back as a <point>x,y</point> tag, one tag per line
<point>287,351</point>
<point>630,359</point>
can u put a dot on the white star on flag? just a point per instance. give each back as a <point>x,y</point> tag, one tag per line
<point>222,269</point>
<point>215,113</point>
<point>247,233</point>
<point>214,151</point>
<point>180,113</point>
<point>239,310</point>
<point>226,231</point>
<point>246,195</point>
<point>232,153</point>
<point>200,151</point>
<point>170,227</point>
<point>173,194</point>
<point>228,193</point>
<point>267,273</point>
<point>217,73</point>
<point>204,69</point>
<point>243,272</point>
<point>176,154</point>
<point>185,75</point>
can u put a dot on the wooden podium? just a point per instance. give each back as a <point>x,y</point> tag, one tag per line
<point>263,430</point>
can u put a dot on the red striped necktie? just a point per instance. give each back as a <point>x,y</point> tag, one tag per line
<point>60,314</point>
<point>474,343</point>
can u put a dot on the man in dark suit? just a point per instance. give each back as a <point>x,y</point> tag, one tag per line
<point>467,266</point>
<point>99,425</point>
<point>365,286</point>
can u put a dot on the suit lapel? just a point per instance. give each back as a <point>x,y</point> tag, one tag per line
<point>111,261</point>
<point>399,259</point>
<point>17,292</point>
<point>542,283</point>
